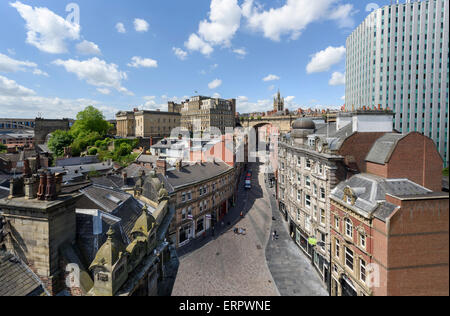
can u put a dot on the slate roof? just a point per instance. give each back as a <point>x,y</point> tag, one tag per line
<point>15,157</point>
<point>108,181</point>
<point>74,161</point>
<point>16,279</point>
<point>134,170</point>
<point>371,193</point>
<point>114,202</point>
<point>336,139</point>
<point>108,200</point>
<point>193,173</point>
<point>383,148</point>
<point>73,173</point>
<point>147,158</point>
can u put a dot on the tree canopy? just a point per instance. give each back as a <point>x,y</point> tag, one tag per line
<point>90,120</point>
<point>59,140</point>
<point>88,134</point>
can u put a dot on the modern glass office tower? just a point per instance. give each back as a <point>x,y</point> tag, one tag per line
<point>399,58</point>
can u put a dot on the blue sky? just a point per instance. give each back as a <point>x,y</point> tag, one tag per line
<point>167,50</point>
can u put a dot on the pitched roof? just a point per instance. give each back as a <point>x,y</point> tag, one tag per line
<point>147,158</point>
<point>371,190</point>
<point>114,202</point>
<point>108,200</point>
<point>74,161</point>
<point>193,173</point>
<point>383,148</point>
<point>16,279</point>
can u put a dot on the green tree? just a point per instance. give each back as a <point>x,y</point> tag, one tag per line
<point>445,172</point>
<point>3,148</point>
<point>59,140</point>
<point>92,151</point>
<point>90,120</point>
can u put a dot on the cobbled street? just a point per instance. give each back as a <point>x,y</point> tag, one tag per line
<point>252,264</point>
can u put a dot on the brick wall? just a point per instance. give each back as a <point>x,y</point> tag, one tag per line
<point>415,158</point>
<point>358,145</point>
<point>418,252</point>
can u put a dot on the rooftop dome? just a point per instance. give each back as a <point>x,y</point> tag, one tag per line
<point>303,123</point>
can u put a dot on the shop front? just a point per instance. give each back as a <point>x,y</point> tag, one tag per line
<point>200,226</point>
<point>347,287</point>
<point>222,210</point>
<point>185,234</point>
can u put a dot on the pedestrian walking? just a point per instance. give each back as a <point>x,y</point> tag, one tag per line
<point>242,215</point>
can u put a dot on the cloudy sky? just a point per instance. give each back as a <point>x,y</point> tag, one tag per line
<point>56,56</point>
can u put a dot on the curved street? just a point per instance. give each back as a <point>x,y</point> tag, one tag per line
<point>247,265</point>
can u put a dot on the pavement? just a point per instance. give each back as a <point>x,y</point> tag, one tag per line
<point>291,269</point>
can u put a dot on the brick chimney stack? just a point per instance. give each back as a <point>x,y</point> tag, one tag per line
<point>50,192</point>
<point>42,186</point>
<point>161,166</point>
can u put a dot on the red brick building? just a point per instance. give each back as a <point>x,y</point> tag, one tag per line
<point>389,237</point>
<point>412,156</point>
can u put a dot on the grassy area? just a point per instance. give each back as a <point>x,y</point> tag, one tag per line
<point>445,172</point>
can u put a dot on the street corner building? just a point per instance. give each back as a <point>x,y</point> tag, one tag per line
<point>81,239</point>
<point>390,238</point>
<point>200,195</point>
<point>365,203</point>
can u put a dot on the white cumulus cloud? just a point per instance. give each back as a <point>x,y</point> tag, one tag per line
<point>293,17</point>
<point>195,43</point>
<point>8,64</point>
<point>271,78</point>
<point>241,52</point>
<point>11,88</point>
<point>140,25</point>
<point>96,72</point>
<point>88,48</point>
<point>120,28</point>
<point>325,59</point>
<point>337,79</point>
<point>104,91</point>
<point>224,21</point>
<point>219,29</point>
<point>46,30</point>
<point>138,62</point>
<point>215,84</point>
<point>181,54</point>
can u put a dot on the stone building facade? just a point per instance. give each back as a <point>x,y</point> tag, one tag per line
<point>211,112</point>
<point>305,180</point>
<point>146,124</point>
<point>43,127</point>
<point>200,194</point>
<point>118,248</point>
<point>312,159</point>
